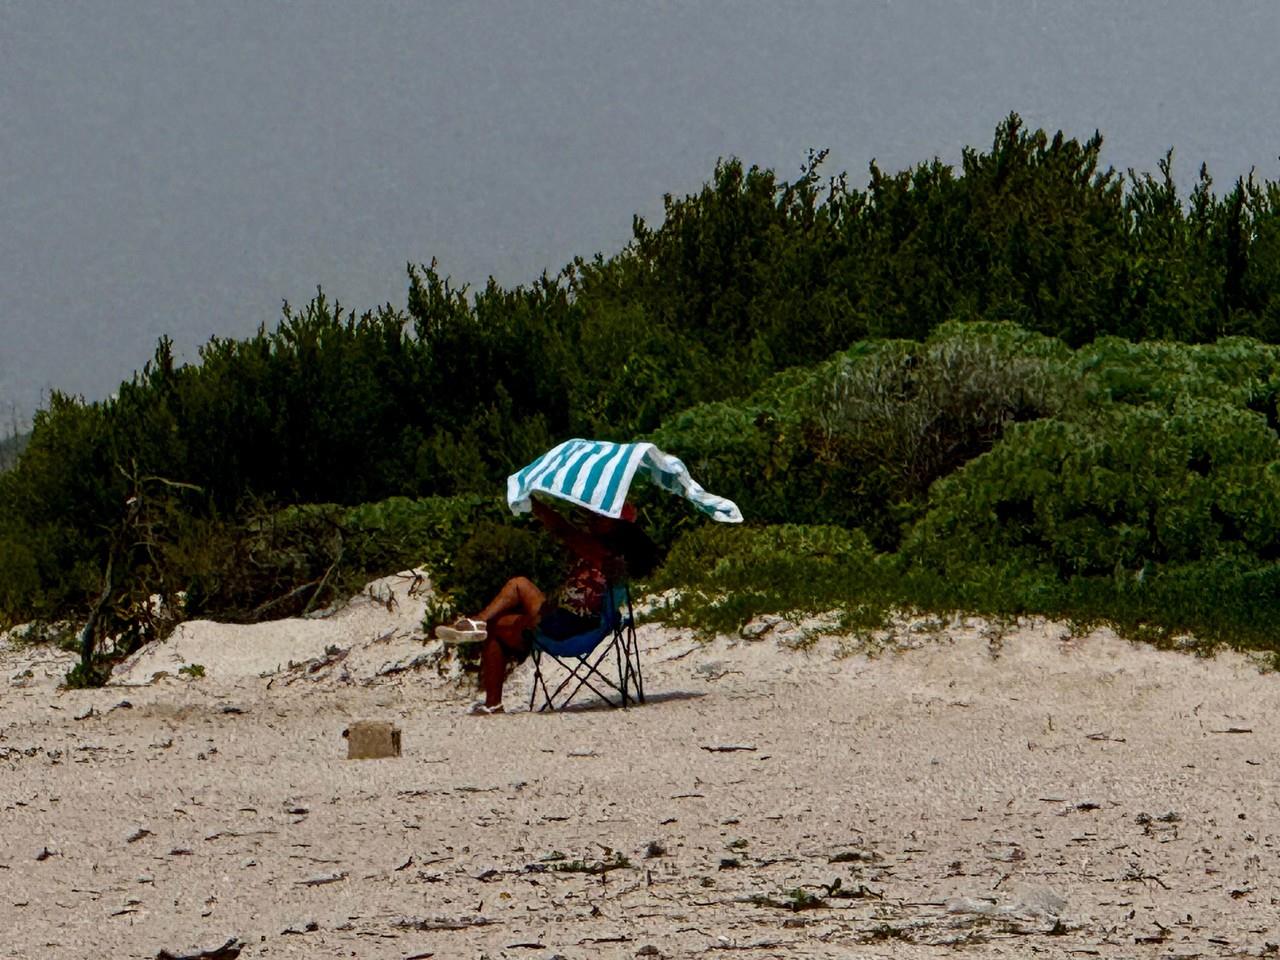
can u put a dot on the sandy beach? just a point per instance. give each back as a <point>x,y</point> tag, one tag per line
<point>957,789</point>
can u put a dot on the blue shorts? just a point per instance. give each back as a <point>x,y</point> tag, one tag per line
<point>560,624</point>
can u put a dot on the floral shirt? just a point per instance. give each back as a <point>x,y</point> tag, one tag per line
<point>583,590</point>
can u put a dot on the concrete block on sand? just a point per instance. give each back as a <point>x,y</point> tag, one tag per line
<point>372,740</point>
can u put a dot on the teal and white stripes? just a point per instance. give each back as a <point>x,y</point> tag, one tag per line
<point>597,475</point>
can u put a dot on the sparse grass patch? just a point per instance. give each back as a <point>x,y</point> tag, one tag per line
<point>795,900</point>
<point>854,856</point>
<point>882,932</point>
<point>557,862</point>
<point>836,890</point>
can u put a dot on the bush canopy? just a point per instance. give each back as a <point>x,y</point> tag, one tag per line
<point>1025,383</point>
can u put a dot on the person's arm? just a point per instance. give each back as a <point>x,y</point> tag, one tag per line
<point>555,524</point>
<point>639,551</point>
<point>583,544</point>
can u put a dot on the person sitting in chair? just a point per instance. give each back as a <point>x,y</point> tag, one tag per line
<point>605,551</point>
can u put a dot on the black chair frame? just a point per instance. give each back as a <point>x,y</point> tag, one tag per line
<point>590,667</point>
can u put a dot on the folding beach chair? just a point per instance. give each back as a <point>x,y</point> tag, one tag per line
<point>585,657</point>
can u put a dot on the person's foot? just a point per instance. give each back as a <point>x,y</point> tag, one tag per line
<point>483,710</point>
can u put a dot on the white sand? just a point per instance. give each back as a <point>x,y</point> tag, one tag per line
<point>1025,794</point>
<point>384,622</point>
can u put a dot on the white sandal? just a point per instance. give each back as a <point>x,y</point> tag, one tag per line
<point>453,638</point>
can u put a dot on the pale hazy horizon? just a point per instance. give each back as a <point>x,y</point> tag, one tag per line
<point>172,167</point>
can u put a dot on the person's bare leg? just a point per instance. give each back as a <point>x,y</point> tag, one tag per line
<point>514,609</point>
<point>505,641</point>
<point>493,671</point>
<point>518,595</point>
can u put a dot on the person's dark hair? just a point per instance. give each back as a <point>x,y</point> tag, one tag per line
<point>632,545</point>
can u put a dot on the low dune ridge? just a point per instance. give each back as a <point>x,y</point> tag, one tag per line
<point>1012,789</point>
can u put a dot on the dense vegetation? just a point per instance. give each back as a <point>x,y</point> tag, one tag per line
<point>11,448</point>
<point>1028,384</point>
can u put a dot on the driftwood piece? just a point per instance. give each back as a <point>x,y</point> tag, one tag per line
<point>463,922</point>
<point>323,879</point>
<point>228,951</point>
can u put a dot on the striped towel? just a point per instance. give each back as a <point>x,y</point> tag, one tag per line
<point>596,474</point>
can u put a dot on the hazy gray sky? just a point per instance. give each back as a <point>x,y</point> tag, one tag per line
<point>183,166</point>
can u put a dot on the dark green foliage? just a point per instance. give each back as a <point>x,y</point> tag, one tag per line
<point>858,440</point>
<point>743,269</point>
<point>887,419</point>
<point>1132,488</point>
<point>60,504</point>
<point>19,578</point>
<point>743,449</point>
<point>1237,371</point>
<point>401,532</point>
<point>727,575</point>
<point>492,555</point>
<point>11,448</point>
<point>287,562</point>
<point>1139,484</point>
<point>471,544</point>
<point>1031,383</point>
<point>81,676</point>
<point>269,564</point>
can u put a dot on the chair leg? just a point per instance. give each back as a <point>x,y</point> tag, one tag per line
<point>632,679</point>
<point>539,680</point>
<point>631,647</point>
<point>623,668</point>
<point>533,687</point>
<point>588,670</point>
<point>635,647</point>
<point>626,652</point>
<point>584,671</point>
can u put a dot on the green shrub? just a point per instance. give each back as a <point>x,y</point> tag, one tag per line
<point>1133,487</point>
<point>80,677</point>
<point>918,411</point>
<point>19,580</point>
<point>1234,370</point>
<point>1223,600</point>
<point>857,440</point>
<point>492,555</point>
<point>400,532</point>
<point>284,562</point>
<point>726,575</point>
<point>743,452</point>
